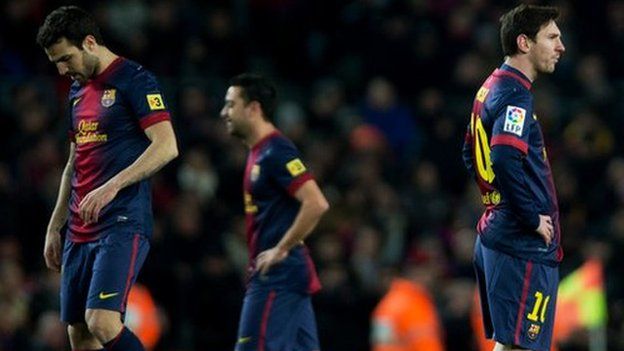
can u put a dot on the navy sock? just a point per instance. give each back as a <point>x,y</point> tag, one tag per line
<point>124,341</point>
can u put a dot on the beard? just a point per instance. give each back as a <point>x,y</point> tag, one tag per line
<point>91,65</point>
<point>237,130</point>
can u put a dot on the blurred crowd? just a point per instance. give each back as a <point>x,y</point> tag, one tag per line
<point>376,94</point>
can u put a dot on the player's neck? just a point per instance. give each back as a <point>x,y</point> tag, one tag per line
<point>522,64</point>
<point>106,58</point>
<point>259,132</point>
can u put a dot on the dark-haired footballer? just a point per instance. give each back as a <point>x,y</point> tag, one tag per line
<point>518,249</point>
<point>120,134</point>
<point>283,204</point>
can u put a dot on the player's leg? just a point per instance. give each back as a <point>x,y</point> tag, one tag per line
<point>107,328</point>
<point>522,295</point>
<point>75,280</point>
<point>478,265</point>
<point>81,339</point>
<point>119,258</point>
<point>254,319</point>
<point>271,321</point>
<point>307,335</point>
<point>290,323</point>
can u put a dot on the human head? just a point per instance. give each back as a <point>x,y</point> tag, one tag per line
<point>70,37</point>
<point>531,30</point>
<point>259,89</point>
<point>249,96</point>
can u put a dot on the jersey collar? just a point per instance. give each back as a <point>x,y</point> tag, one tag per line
<point>264,140</point>
<point>506,70</point>
<point>105,74</point>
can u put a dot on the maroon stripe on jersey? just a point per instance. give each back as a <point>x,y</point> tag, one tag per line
<point>135,250</point>
<point>522,307</point>
<point>110,69</point>
<point>510,141</point>
<point>314,284</point>
<point>154,118</point>
<point>265,320</point>
<point>88,170</point>
<point>250,223</point>
<point>485,219</point>
<point>298,182</point>
<point>526,83</point>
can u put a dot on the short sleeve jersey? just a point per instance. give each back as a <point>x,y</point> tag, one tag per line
<point>503,114</point>
<point>108,116</point>
<point>273,174</point>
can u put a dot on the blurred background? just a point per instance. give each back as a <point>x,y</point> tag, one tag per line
<point>376,94</point>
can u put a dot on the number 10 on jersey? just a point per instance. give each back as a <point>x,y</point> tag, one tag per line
<point>481,147</point>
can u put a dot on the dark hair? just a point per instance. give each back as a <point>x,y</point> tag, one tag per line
<point>257,88</point>
<point>524,19</point>
<point>70,22</point>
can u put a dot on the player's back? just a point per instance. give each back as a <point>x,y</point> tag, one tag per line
<point>502,115</point>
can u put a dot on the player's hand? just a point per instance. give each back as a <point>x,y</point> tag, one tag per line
<point>91,205</point>
<point>52,251</point>
<point>268,258</point>
<point>546,229</point>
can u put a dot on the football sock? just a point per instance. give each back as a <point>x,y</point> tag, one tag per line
<point>124,341</point>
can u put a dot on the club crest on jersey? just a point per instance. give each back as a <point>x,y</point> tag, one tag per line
<point>514,120</point>
<point>255,173</point>
<point>533,331</point>
<point>108,97</point>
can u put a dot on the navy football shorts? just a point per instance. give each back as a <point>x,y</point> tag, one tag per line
<point>518,298</point>
<point>277,320</point>
<point>100,273</point>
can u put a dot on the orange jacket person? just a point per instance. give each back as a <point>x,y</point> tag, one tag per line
<point>406,319</point>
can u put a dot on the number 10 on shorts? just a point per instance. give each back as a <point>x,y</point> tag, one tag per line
<point>542,302</point>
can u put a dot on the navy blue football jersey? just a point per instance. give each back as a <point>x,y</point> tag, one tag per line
<point>273,174</point>
<point>505,152</point>
<point>108,116</point>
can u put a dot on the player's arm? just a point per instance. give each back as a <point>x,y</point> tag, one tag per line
<point>467,152</point>
<point>161,150</point>
<point>313,206</point>
<point>52,246</point>
<point>509,147</point>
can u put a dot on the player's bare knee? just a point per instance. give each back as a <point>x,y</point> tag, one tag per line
<point>81,338</point>
<point>103,324</point>
<point>77,331</point>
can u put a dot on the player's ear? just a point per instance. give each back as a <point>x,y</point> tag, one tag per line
<point>255,106</point>
<point>524,43</point>
<point>89,43</point>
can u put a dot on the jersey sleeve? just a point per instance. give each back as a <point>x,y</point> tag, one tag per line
<point>513,122</point>
<point>146,99</point>
<point>467,152</point>
<point>510,136</point>
<point>288,169</point>
<point>507,164</point>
